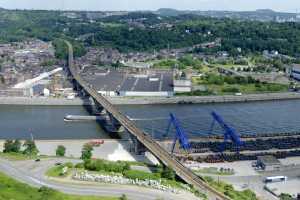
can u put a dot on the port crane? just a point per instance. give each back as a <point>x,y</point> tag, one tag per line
<point>229,132</point>
<point>180,134</point>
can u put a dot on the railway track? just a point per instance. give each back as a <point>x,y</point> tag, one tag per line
<point>186,174</point>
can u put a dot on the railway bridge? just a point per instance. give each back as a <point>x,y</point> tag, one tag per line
<point>120,120</point>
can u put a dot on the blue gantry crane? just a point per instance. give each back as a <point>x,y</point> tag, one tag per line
<point>229,132</point>
<point>180,134</point>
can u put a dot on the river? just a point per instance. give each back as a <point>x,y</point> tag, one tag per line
<point>46,122</point>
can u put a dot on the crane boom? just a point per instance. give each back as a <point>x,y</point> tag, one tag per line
<point>180,134</point>
<point>229,132</point>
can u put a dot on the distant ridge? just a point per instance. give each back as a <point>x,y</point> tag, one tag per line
<point>260,14</point>
<point>169,12</point>
<point>172,12</point>
<point>265,11</point>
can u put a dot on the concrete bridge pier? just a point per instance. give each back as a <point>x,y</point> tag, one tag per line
<point>99,110</point>
<point>136,146</point>
<point>83,93</point>
<point>114,126</point>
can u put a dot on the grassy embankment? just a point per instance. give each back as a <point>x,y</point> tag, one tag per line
<point>226,85</point>
<point>14,190</point>
<point>214,171</point>
<point>229,191</point>
<point>17,156</point>
<point>120,168</point>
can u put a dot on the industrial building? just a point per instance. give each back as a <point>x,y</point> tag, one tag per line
<point>112,82</point>
<point>268,163</point>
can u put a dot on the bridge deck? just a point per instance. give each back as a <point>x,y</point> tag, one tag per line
<point>163,155</point>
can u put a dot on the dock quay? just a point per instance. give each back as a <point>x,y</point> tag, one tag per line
<point>50,101</point>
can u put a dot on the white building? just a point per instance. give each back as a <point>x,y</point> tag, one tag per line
<point>146,94</point>
<point>295,72</point>
<point>46,92</point>
<point>182,86</point>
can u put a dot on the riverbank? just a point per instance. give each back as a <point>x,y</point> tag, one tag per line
<point>204,99</point>
<point>112,150</point>
<point>44,101</point>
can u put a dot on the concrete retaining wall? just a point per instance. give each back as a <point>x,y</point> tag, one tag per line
<point>151,100</point>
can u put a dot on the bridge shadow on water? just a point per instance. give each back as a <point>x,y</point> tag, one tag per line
<point>91,109</point>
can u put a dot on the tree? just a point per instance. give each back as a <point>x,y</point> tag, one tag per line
<point>123,197</point>
<point>284,196</point>
<point>61,49</point>
<point>86,152</point>
<point>60,150</point>
<point>168,173</point>
<point>30,148</point>
<point>12,146</point>
<point>8,146</point>
<point>47,193</point>
<point>16,146</point>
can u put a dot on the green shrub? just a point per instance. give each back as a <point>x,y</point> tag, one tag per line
<point>135,174</point>
<point>285,197</point>
<point>168,173</point>
<point>69,165</point>
<point>30,148</point>
<point>87,152</point>
<point>108,166</point>
<point>11,146</point>
<point>229,191</point>
<point>231,90</point>
<point>61,150</point>
<point>123,197</point>
<point>79,166</point>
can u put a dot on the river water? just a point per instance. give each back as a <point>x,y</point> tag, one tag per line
<point>46,122</point>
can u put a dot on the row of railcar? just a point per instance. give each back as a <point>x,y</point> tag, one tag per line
<point>250,145</point>
<point>218,158</point>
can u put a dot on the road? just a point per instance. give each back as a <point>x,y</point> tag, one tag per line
<point>256,182</point>
<point>33,173</point>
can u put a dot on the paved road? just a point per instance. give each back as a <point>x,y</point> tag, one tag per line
<point>33,173</point>
<point>256,182</point>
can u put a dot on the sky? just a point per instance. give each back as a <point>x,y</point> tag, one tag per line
<point>278,5</point>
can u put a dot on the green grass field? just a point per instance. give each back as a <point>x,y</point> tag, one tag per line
<point>213,170</point>
<point>14,190</point>
<point>229,191</point>
<point>17,156</point>
<point>56,171</point>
